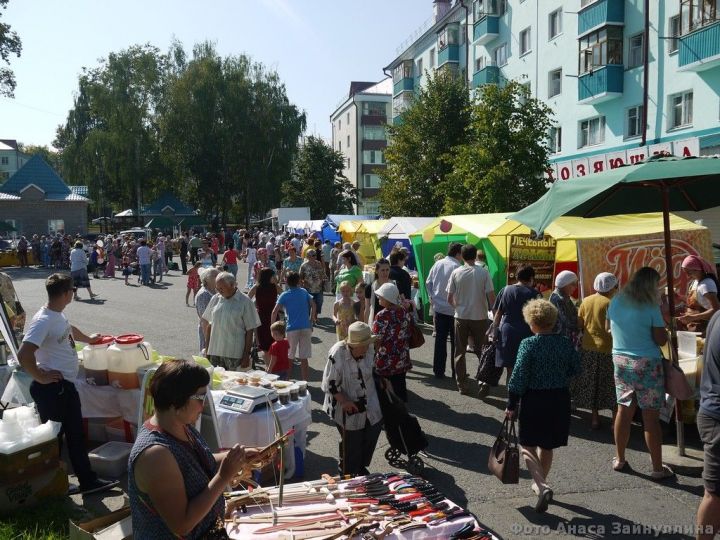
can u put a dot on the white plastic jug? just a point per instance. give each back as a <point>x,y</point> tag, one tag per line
<point>125,356</point>
<point>95,361</point>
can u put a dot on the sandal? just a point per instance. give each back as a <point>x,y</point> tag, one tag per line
<point>619,466</point>
<point>663,474</point>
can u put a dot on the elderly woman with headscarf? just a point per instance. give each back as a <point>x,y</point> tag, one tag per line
<point>567,323</point>
<point>594,388</point>
<point>702,295</point>
<point>203,297</point>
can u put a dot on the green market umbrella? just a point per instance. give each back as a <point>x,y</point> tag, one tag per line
<point>667,183</point>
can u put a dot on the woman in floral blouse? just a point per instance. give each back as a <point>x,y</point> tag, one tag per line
<point>312,274</point>
<point>392,326</point>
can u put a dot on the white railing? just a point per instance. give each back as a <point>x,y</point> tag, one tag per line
<point>412,38</point>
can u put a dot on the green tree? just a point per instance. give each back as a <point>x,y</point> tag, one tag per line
<point>51,157</point>
<point>9,44</point>
<point>501,166</point>
<point>317,181</point>
<point>419,155</point>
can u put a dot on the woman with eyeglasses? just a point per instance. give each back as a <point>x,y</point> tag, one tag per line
<point>175,482</point>
<point>312,276</point>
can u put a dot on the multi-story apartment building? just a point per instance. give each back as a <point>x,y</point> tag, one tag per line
<point>625,78</point>
<point>11,159</point>
<point>358,132</point>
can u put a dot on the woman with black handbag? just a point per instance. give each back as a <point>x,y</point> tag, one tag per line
<point>539,384</point>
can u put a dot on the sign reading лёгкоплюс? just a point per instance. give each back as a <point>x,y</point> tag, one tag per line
<point>577,168</point>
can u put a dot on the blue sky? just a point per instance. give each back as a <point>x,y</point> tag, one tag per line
<point>317,47</point>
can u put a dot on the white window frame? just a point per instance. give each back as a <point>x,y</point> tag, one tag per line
<point>637,112</point>
<point>635,52</point>
<point>555,20</point>
<point>551,88</point>
<point>500,60</point>
<point>419,67</point>
<point>555,140</point>
<point>589,137</point>
<point>525,35</point>
<point>367,181</point>
<point>685,108</point>
<point>55,222</point>
<point>674,32</point>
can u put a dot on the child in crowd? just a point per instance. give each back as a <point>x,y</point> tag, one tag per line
<point>250,257</point>
<point>193,282</point>
<point>344,310</point>
<point>126,268</point>
<point>279,362</point>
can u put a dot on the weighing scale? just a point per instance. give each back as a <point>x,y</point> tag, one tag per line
<point>247,399</point>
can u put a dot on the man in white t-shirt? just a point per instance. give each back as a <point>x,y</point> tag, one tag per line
<point>48,355</point>
<point>470,293</point>
<point>144,255</point>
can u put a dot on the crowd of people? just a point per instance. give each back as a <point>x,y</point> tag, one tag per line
<point>603,353</point>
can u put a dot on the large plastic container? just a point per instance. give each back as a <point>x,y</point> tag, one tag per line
<point>111,458</point>
<point>687,344</point>
<point>125,356</point>
<point>95,361</point>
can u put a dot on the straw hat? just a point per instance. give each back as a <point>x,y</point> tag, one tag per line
<point>359,334</point>
<point>389,292</point>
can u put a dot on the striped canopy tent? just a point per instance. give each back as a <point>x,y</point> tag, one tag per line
<point>397,231</point>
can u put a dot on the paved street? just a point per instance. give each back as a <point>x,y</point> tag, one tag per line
<point>591,501</point>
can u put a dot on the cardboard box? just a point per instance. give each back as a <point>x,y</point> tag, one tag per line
<point>111,459</point>
<point>114,526</point>
<point>30,462</point>
<point>30,491</point>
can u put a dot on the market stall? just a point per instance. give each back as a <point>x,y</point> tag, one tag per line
<point>332,222</point>
<point>365,232</point>
<point>397,230</point>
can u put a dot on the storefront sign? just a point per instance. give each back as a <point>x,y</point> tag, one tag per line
<point>577,168</point>
<point>540,254</point>
<point>624,255</point>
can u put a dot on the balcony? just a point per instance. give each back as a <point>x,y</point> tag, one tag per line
<point>373,144</point>
<point>599,14</point>
<point>404,85</point>
<point>700,50</point>
<point>486,75</point>
<point>373,120</point>
<point>602,84</point>
<point>372,168</point>
<point>451,53</point>
<point>397,120</point>
<point>486,29</point>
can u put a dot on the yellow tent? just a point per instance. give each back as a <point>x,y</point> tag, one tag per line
<point>365,232</point>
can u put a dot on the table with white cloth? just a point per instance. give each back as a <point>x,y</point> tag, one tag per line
<point>246,530</point>
<point>258,428</point>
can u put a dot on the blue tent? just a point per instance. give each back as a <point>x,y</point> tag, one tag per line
<point>397,230</point>
<point>332,222</point>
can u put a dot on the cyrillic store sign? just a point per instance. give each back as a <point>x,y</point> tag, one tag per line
<point>577,168</point>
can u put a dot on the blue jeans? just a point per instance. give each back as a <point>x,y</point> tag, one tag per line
<point>145,273</point>
<point>444,327</point>
<point>318,297</point>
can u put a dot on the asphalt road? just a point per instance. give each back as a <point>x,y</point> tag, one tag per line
<point>591,500</point>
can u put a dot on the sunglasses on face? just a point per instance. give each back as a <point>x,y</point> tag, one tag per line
<point>198,397</point>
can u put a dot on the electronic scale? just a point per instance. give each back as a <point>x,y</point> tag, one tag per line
<point>247,399</point>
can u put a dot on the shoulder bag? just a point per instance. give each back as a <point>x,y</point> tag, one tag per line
<point>504,458</point>
<point>417,339</point>
<point>675,381</point>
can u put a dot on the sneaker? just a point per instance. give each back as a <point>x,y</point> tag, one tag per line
<point>95,487</point>
<point>483,390</point>
<point>663,474</point>
<point>535,488</point>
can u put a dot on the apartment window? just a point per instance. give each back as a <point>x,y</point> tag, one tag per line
<point>419,67</point>
<point>450,35</point>
<point>695,14</point>
<point>601,48</point>
<point>633,123</point>
<point>403,71</point>
<point>56,226</point>
<point>348,141</point>
<point>372,207</point>
<point>555,140</point>
<point>554,82</point>
<point>373,108</point>
<point>499,55</point>
<point>681,110</point>
<point>635,50</point>
<point>339,124</point>
<point>525,46</point>
<point>4,160</point>
<point>374,133</point>
<point>339,147</point>
<point>483,8</point>
<point>347,119</point>
<point>348,163</point>
<point>592,131</point>
<point>555,23</point>
<point>480,63</point>
<point>432,58</point>
<point>371,181</point>
<point>674,31</point>
<point>373,157</point>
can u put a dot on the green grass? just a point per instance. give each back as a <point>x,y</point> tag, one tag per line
<point>47,521</point>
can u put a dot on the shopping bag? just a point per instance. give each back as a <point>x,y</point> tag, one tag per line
<point>417,339</point>
<point>675,381</point>
<point>487,372</point>
<point>504,459</point>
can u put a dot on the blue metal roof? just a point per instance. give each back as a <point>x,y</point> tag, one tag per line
<point>39,173</point>
<point>168,200</point>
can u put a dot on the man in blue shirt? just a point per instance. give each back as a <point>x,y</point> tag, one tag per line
<point>301,314</point>
<point>708,422</point>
